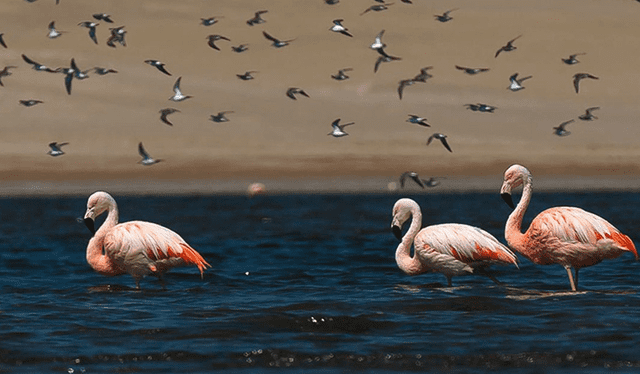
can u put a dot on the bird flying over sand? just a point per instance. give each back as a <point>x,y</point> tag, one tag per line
<point>37,66</point>
<point>53,33</point>
<point>30,102</point>
<point>220,117</point>
<point>471,71</point>
<point>257,18</point>
<point>337,27</point>
<point>56,149</point>
<point>508,47</point>
<point>177,93</point>
<point>588,114</point>
<point>277,43</point>
<point>445,17</point>
<point>580,76</point>
<point>418,120</point>
<point>516,84</point>
<point>338,130</point>
<point>92,29</point>
<point>402,84</point>
<point>561,129</point>
<point>158,65</point>
<point>5,73</point>
<point>572,60</point>
<point>103,17</point>
<point>147,160</point>
<point>442,138</point>
<point>209,21</point>
<point>376,8</point>
<point>214,38</point>
<point>341,74</point>
<point>291,92</point>
<point>247,76</point>
<point>165,112</point>
<point>413,175</point>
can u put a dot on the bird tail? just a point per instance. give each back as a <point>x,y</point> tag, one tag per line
<point>191,256</point>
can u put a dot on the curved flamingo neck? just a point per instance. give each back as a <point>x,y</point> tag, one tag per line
<point>406,263</point>
<point>513,229</point>
<point>96,257</point>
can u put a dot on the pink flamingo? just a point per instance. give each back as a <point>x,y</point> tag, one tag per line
<point>451,249</point>
<point>567,236</point>
<point>138,248</point>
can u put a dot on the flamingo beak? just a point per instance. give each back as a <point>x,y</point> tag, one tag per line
<point>507,199</point>
<point>90,225</point>
<point>397,231</point>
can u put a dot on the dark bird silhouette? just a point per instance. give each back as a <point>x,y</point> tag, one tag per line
<point>516,84</point>
<point>177,93</point>
<point>56,149</point>
<point>103,71</point>
<point>341,74</point>
<point>471,71</point>
<point>572,60</point>
<point>246,76</point>
<point>239,49</point>
<point>2,40</point>
<point>402,84</point>
<point>257,18</point>
<point>481,107</point>
<point>445,17</point>
<point>509,46</point>
<point>418,120</point>
<point>423,75</point>
<point>209,21</point>
<point>165,112</point>
<point>413,175</point>
<point>146,158</point>
<point>158,65</point>
<point>376,8</point>
<point>276,42</point>
<point>382,59</point>
<point>442,138</point>
<point>220,117</point>
<point>92,29</point>
<point>117,35</point>
<point>37,66</point>
<point>5,73</point>
<point>214,38</point>
<point>561,129</point>
<point>53,33</point>
<point>338,130</point>
<point>580,76</point>
<point>588,114</point>
<point>291,92</point>
<point>103,17</point>
<point>30,102</point>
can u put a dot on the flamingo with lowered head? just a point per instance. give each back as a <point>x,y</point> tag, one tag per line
<point>568,236</point>
<point>136,247</point>
<point>452,249</point>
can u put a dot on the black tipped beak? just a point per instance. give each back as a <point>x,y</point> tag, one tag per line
<point>90,225</point>
<point>397,232</point>
<point>507,199</point>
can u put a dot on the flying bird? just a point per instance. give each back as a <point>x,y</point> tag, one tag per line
<point>117,35</point>
<point>257,18</point>
<point>561,129</point>
<point>418,120</point>
<point>30,102</point>
<point>103,17</point>
<point>220,117</point>
<point>445,17</point>
<point>248,75</point>
<point>384,57</point>
<point>588,114</point>
<point>572,60</point>
<point>431,182</point>
<point>442,138</point>
<point>37,66</point>
<point>567,236</point>
<point>516,84</point>
<point>413,175</point>
<point>2,40</point>
<point>377,8</point>
<point>53,33</point>
<point>56,149</point>
<point>337,27</point>
<point>580,76</point>
<point>276,42</point>
<point>138,248</point>
<point>471,71</point>
<point>481,107</point>
<point>377,43</point>
<point>451,249</point>
<point>104,71</point>
<point>5,73</point>
<point>158,65</point>
<point>402,84</point>
<point>338,130</point>
<point>209,21</point>
<point>341,74</point>
<point>147,160</point>
<point>214,38</point>
<point>177,94</point>
<point>508,47</point>
<point>239,49</point>
<point>423,75</point>
<point>92,29</point>
<point>291,92</point>
<point>165,112</point>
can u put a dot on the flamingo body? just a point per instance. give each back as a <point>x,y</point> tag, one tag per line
<point>451,249</point>
<point>136,247</point>
<point>568,236</point>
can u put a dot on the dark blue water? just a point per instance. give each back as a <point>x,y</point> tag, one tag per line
<point>307,283</point>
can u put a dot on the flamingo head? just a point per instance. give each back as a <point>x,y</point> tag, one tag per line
<point>514,177</point>
<point>97,204</point>
<point>401,213</point>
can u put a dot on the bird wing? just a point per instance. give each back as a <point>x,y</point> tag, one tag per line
<point>576,83</point>
<point>464,243</point>
<point>92,34</point>
<point>28,60</point>
<point>142,151</point>
<point>499,50</point>
<point>67,82</point>
<point>139,244</point>
<point>446,145</point>
<point>176,86</point>
<point>377,65</point>
<point>162,69</point>
<point>52,25</point>
<point>335,125</point>
<point>2,41</point>
<point>269,37</point>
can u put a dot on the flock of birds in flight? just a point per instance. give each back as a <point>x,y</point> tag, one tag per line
<point>117,37</point>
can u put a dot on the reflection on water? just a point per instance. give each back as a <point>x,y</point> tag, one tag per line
<point>308,283</point>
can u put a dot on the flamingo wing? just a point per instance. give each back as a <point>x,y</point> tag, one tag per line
<point>144,247</point>
<point>467,244</point>
<point>588,233</point>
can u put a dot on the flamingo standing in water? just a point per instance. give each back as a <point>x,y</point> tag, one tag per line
<point>567,236</point>
<point>451,249</point>
<point>138,248</point>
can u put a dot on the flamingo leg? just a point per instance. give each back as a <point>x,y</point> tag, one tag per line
<point>573,282</point>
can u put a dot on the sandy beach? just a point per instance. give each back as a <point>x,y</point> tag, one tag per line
<point>283,143</point>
